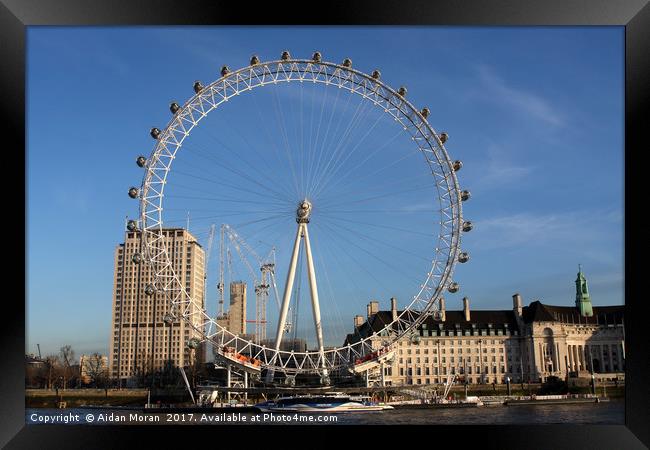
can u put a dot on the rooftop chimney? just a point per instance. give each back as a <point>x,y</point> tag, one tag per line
<point>466,308</point>
<point>358,321</point>
<point>516,304</point>
<point>373,308</point>
<point>393,308</point>
<point>443,314</point>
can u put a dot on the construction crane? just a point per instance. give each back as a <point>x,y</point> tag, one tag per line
<point>213,228</point>
<point>262,284</point>
<point>220,285</point>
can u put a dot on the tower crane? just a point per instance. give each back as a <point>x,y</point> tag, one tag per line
<point>220,285</point>
<point>262,284</point>
<point>209,250</point>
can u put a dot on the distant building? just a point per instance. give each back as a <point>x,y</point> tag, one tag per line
<point>527,343</point>
<point>287,344</point>
<point>142,341</point>
<point>237,310</point>
<point>93,367</point>
<point>234,320</point>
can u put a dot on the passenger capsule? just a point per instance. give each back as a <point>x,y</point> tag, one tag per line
<point>347,62</point>
<point>453,287</point>
<point>133,192</point>
<point>131,225</point>
<point>285,55</point>
<point>425,112</point>
<point>376,74</point>
<point>173,107</point>
<point>316,57</point>
<point>225,71</point>
<point>402,91</point>
<point>463,257</point>
<point>457,165</point>
<point>254,60</point>
<point>168,318</point>
<point>155,133</point>
<point>141,161</point>
<point>467,226</point>
<point>437,316</point>
<point>137,258</point>
<point>150,290</point>
<point>193,343</point>
<point>198,86</point>
<point>465,195</point>
<point>444,137</point>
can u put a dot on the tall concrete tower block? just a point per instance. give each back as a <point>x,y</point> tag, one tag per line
<point>237,310</point>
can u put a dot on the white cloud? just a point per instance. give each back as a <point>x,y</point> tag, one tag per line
<point>499,169</point>
<point>496,89</point>
<point>557,229</point>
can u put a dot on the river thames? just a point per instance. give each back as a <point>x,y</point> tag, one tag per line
<point>605,413</point>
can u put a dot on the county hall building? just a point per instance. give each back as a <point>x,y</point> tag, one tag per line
<point>525,343</point>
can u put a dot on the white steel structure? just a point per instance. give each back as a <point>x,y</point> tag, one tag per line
<point>262,285</point>
<point>413,121</point>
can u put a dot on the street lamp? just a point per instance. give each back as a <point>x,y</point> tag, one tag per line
<point>508,383</point>
<point>593,383</point>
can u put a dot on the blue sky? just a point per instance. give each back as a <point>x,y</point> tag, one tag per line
<point>535,114</point>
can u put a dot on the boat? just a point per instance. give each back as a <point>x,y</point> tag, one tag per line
<point>556,399</point>
<point>333,402</point>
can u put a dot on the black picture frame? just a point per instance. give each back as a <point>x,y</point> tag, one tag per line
<point>16,15</point>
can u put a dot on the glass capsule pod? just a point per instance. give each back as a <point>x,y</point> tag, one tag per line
<point>155,133</point>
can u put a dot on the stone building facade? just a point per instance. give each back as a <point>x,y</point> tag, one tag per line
<point>526,343</point>
<point>144,337</point>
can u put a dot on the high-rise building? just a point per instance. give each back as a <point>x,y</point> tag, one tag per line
<point>142,341</point>
<point>234,320</point>
<point>237,310</point>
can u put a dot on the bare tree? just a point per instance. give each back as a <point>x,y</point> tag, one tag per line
<point>52,365</point>
<point>96,369</point>
<point>67,357</point>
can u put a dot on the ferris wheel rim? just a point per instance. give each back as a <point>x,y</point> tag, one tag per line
<point>194,107</point>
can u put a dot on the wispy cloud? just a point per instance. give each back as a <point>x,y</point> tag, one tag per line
<point>499,169</point>
<point>561,229</point>
<point>496,89</point>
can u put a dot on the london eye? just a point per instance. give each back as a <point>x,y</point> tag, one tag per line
<point>336,171</point>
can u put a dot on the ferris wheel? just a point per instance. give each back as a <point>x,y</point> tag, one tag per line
<point>298,199</point>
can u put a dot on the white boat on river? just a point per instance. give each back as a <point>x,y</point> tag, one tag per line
<point>325,403</point>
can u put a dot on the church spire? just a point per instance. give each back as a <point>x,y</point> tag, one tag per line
<point>583,299</point>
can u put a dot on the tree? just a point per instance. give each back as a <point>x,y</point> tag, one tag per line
<point>52,364</point>
<point>96,370</point>
<point>552,386</point>
<point>67,357</point>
